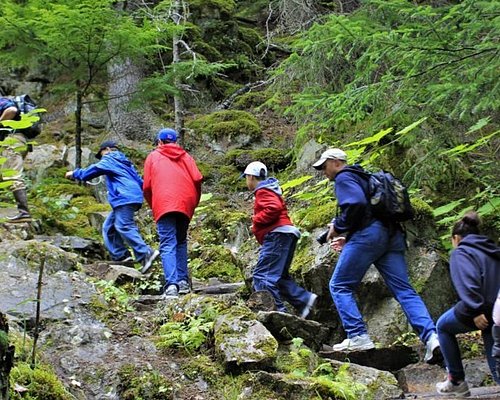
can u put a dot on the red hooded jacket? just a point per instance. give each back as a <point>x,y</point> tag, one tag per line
<point>172,181</point>
<point>269,209</point>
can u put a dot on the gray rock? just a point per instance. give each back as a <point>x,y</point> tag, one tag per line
<point>42,158</point>
<point>420,377</point>
<point>309,155</point>
<point>86,247</point>
<point>285,327</point>
<point>96,219</point>
<point>121,274</point>
<point>240,342</point>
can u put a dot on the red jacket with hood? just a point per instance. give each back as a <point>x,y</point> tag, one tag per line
<point>172,181</point>
<point>269,211</point>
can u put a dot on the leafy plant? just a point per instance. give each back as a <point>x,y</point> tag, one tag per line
<point>117,298</point>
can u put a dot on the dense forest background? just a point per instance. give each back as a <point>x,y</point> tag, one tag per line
<point>408,86</point>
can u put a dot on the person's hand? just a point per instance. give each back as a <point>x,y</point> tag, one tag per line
<point>69,175</point>
<point>337,244</point>
<point>331,233</point>
<point>481,322</point>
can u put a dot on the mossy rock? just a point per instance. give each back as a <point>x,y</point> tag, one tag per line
<point>275,159</point>
<point>250,100</point>
<point>207,8</point>
<point>40,382</point>
<point>216,262</point>
<point>202,365</point>
<point>315,216</point>
<point>227,124</point>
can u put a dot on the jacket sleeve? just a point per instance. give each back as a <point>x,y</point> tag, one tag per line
<point>269,207</point>
<point>92,171</point>
<point>146,187</point>
<point>352,202</point>
<point>466,278</point>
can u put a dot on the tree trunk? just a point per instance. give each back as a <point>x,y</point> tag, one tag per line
<point>6,358</point>
<point>178,103</point>
<point>137,123</point>
<point>78,130</point>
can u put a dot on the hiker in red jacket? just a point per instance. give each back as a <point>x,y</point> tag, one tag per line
<point>274,230</point>
<point>172,187</point>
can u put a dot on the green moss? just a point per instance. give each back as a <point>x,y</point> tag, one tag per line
<point>250,36</point>
<point>315,216</point>
<point>40,382</point>
<point>303,258</point>
<point>4,341</point>
<point>250,100</point>
<point>203,365</point>
<point>422,209</point>
<point>275,159</point>
<point>224,6</point>
<point>136,384</point>
<point>226,124</point>
<point>216,262</point>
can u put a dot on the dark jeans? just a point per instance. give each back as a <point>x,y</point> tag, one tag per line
<point>271,271</point>
<point>448,326</point>
<point>375,245</point>
<point>119,230</point>
<point>172,230</point>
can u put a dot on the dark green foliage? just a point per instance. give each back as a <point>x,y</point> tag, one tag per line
<point>274,159</point>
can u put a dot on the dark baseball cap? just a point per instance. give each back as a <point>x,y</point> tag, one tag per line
<point>104,145</point>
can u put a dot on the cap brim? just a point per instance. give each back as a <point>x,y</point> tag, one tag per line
<point>318,164</point>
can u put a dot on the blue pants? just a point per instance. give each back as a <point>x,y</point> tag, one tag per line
<point>119,230</point>
<point>375,245</point>
<point>271,271</point>
<point>447,327</point>
<point>172,230</point>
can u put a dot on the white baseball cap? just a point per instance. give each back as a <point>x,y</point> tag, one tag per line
<point>256,168</point>
<point>330,154</point>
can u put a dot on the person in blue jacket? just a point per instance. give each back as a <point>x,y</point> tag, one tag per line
<point>364,240</point>
<point>125,197</point>
<point>475,273</point>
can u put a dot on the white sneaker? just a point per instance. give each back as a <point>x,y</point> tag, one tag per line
<point>309,306</point>
<point>184,287</point>
<point>433,352</point>
<point>449,389</point>
<point>148,261</point>
<point>361,342</point>
<point>171,292</point>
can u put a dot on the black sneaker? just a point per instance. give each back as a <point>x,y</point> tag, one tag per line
<point>148,261</point>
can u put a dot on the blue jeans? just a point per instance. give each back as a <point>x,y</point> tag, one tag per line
<point>448,326</point>
<point>375,245</point>
<point>172,230</point>
<point>271,271</point>
<point>119,230</point>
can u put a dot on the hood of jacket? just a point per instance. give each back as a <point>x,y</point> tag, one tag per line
<point>172,151</point>
<point>270,184</point>
<point>481,243</point>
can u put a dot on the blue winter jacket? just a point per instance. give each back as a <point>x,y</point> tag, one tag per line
<point>350,192</point>
<point>475,272</point>
<point>122,180</point>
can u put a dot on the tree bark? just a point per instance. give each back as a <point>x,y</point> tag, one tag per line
<point>178,103</point>
<point>78,130</point>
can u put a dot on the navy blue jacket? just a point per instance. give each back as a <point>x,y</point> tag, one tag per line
<point>350,191</point>
<point>122,180</point>
<point>475,272</point>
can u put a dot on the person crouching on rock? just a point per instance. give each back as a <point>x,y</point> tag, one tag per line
<point>125,197</point>
<point>278,237</point>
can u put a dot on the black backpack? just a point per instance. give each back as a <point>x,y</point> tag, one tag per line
<point>25,104</point>
<point>388,197</point>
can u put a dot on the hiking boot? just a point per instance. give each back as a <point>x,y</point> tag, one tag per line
<point>171,292</point>
<point>447,388</point>
<point>22,216</point>
<point>433,352</point>
<point>184,287</point>
<point>125,261</point>
<point>309,306</point>
<point>356,343</point>
<point>148,261</point>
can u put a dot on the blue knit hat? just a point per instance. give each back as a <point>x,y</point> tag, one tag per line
<point>167,135</point>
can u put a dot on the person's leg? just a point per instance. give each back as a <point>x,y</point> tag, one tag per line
<point>113,240</point>
<point>167,232</point>
<point>363,248</point>
<point>448,326</point>
<point>296,295</point>
<point>182,225</point>
<point>270,265</point>
<point>392,266</point>
<point>128,230</point>
<point>488,349</point>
